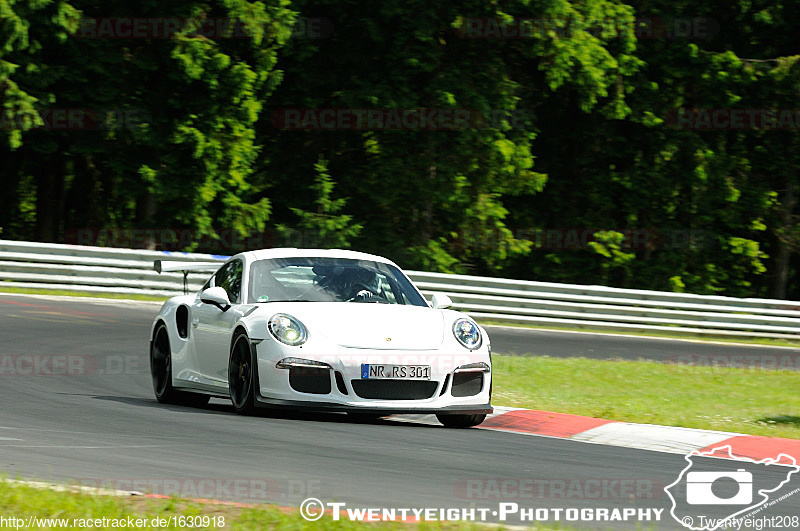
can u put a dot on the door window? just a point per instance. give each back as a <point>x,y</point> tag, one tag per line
<point>229,278</point>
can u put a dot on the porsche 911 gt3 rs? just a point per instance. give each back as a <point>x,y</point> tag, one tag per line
<point>322,330</point>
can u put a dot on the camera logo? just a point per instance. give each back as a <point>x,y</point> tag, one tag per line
<point>700,487</point>
<point>727,490</point>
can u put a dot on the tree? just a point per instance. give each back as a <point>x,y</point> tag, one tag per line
<point>433,196</point>
<point>706,196</point>
<point>186,161</point>
<point>325,227</point>
<point>29,31</point>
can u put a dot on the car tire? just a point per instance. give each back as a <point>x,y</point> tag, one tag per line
<point>161,373</point>
<point>242,375</point>
<point>460,421</point>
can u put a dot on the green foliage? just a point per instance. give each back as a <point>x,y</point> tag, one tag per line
<point>21,51</point>
<point>715,201</point>
<point>433,257</point>
<point>576,123</point>
<point>325,227</point>
<point>608,244</point>
<point>188,160</point>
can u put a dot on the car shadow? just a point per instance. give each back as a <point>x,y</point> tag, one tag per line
<point>784,420</point>
<point>223,407</point>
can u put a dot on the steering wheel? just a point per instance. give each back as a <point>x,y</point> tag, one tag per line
<point>361,292</point>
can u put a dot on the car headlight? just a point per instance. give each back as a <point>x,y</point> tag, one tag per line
<point>287,329</point>
<point>467,333</point>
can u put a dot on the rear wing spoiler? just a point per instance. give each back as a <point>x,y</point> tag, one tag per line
<point>165,266</point>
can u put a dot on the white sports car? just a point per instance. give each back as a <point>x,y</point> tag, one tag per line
<point>323,330</point>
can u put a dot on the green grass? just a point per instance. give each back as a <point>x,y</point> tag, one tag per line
<point>70,293</point>
<point>753,401</point>
<point>22,501</point>
<point>767,341</point>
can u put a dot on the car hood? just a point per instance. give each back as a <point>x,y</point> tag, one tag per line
<point>373,326</point>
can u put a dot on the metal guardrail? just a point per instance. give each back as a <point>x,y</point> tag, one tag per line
<point>95,269</point>
<point>600,307</point>
<point>110,270</point>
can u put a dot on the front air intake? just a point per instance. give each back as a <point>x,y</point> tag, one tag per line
<point>312,380</point>
<point>467,383</point>
<point>394,389</point>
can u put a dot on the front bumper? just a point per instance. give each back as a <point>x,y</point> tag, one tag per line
<point>331,407</point>
<point>340,387</point>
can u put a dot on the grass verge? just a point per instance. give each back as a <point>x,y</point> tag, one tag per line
<point>23,501</point>
<point>744,340</point>
<point>753,401</point>
<point>89,294</point>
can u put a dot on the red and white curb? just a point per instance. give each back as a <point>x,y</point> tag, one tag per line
<point>669,439</point>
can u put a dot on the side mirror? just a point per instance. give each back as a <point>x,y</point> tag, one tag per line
<point>440,301</point>
<point>216,296</point>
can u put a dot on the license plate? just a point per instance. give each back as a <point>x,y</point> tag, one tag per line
<point>373,371</point>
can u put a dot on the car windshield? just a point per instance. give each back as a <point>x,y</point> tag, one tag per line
<point>330,280</point>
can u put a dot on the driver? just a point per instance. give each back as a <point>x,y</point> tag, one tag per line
<point>365,284</point>
<point>353,284</point>
<point>348,283</point>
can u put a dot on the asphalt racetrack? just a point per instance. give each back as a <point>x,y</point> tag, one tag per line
<point>83,412</point>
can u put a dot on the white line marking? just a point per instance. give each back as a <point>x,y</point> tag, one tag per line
<point>100,300</point>
<point>79,447</point>
<point>72,488</point>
